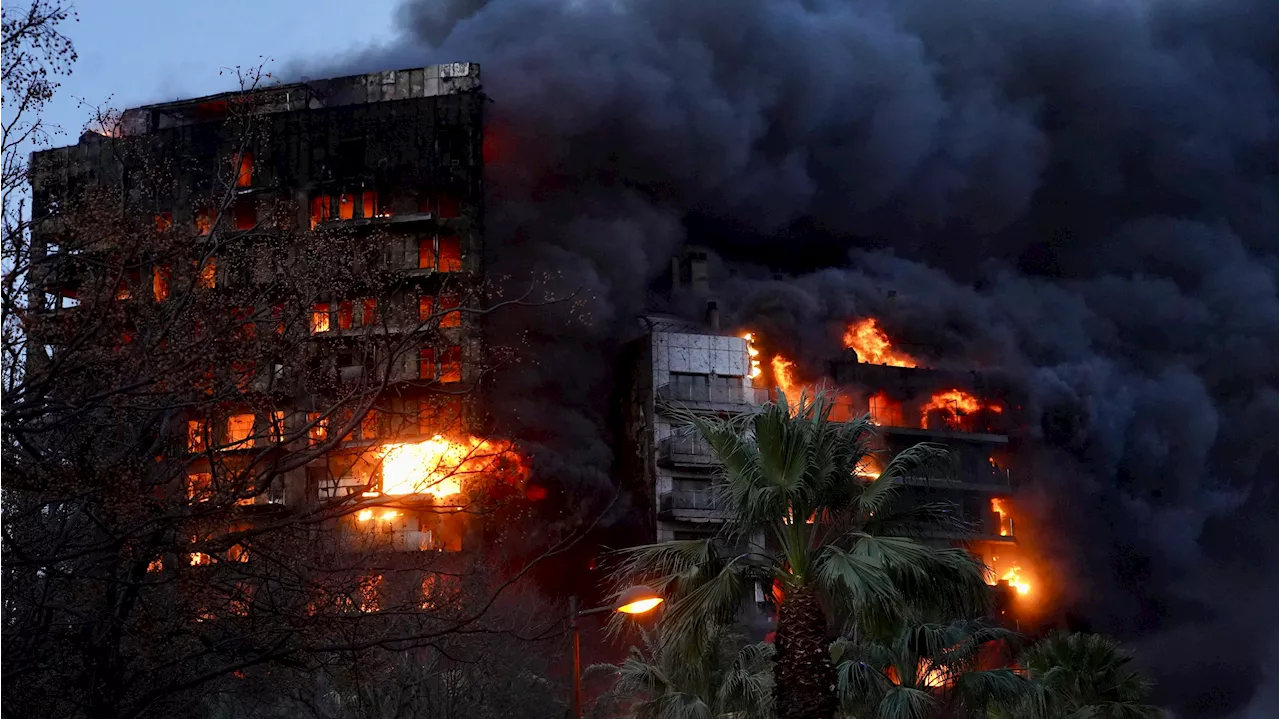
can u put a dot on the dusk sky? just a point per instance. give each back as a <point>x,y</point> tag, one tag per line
<point>136,52</point>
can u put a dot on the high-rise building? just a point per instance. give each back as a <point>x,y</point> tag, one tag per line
<point>677,366</point>
<point>249,185</point>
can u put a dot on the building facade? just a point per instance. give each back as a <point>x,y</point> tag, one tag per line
<point>677,365</point>
<point>257,186</point>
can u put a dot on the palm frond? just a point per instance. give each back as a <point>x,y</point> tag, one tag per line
<point>938,582</point>
<point>977,690</point>
<point>854,581</point>
<point>747,687</point>
<point>712,602</point>
<point>1085,675</point>
<point>906,703</point>
<point>918,520</point>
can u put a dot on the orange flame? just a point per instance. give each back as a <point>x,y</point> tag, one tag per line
<point>752,354</point>
<point>439,466</point>
<point>872,345</point>
<point>784,378</point>
<point>955,405</point>
<point>1006,522</point>
<point>885,411</point>
<point>1010,571</point>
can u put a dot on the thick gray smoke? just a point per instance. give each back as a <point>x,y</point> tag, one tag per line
<point>1082,193</point>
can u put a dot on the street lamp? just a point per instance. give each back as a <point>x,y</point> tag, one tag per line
<point>636,600</point>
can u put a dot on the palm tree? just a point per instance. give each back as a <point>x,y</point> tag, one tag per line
<point>926,670</point>
<point>834,542</point>
<point>725,682</point>
<point>1082,676</point>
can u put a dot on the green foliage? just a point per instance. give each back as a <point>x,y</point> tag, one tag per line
<point>724,680</point>
<point>924,670</point>
<point>1081,676</point>
<point>781,466</point>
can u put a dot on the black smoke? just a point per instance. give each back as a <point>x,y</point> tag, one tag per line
<point>1081,193</point>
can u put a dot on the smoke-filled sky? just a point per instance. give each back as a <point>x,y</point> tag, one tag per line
<point>1081,193</point>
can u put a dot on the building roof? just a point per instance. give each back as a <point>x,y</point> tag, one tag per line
<point>387,86</point>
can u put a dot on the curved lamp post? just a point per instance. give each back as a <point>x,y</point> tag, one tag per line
<point>636,600</point>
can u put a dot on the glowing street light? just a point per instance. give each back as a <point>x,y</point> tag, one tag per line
<point>636,600</point>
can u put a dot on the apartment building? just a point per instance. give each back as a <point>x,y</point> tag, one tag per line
<point>677,365</point>
<point>392,160</point>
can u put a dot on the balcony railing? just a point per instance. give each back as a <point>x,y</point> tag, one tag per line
<point>709,397</point>
<point>704,502</point>
<point>686,450</point>
<point>966,478</point>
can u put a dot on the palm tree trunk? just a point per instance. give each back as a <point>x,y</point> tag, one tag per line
<point>804,678</point>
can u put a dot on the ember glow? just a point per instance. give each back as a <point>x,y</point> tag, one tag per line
<point>955,405</point>
<point>885,411</point>
<point>872,345</point>
<point>439,466</point>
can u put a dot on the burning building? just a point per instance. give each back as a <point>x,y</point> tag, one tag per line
<point>682,365</point>
<point>345,383</point>
<point>970,413</point>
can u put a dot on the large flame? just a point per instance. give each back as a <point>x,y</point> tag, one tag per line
<point>955,406</point>
<point>439,466</point>
<point>1006,522</point>
<point>784,378</point>
<point>753,354</point>
<point>1009,570</point>
<point>872,345</point>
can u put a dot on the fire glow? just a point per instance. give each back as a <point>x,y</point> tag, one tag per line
<point>1009,571</point>
<point>1006,522</point>
<point>784,378</point>
<point>872,345</point>
<point>439,466</point>
<point>955,405</point>
<point>753,355</point>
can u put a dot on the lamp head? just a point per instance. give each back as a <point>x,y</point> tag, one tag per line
<point>637,600</point>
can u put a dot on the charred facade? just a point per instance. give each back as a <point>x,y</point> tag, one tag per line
<point>253,183</point>
<point>680,364</point>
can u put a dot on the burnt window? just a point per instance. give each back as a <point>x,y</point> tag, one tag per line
<point>207,273</point>
<point>372,204</point>
<point>439,415</point>
<point>246,213</point>
<point>346,315</point>
<point>451,364</point>
<point>244,174</point>
<point>160,275</point>
<point>450,254</point>
<point>346,206</point>
<point>427,363</point>
<point>350,160</point>
<point>204,220</point>
<point>320,209</point>
<point>427,308</point>
<point>319,317</point>
<point>369,425</point>
<point>444,204</point>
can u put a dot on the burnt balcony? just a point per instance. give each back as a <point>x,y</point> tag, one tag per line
<point>692,504</point>
<point>710,398</point>
<point>985,479</point>
<point>686,451</point>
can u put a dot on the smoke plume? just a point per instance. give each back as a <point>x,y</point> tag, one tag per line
<point>1080,193</point>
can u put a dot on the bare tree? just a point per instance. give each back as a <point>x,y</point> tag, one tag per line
<point>512,666</point>
<point>237,434</point>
